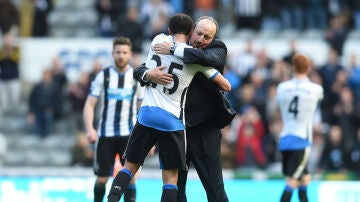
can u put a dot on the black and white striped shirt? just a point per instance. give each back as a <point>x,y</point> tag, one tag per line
<point>119,93</point>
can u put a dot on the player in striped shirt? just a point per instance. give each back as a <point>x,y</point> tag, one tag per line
<point>297,99</point>
<point>161,116</point>
<point>120,97</point>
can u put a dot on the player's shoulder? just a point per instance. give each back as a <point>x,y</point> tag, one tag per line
<point>284,84</point>
<point>316,87</point>
<point>161,38</point>
<point>103,71</point>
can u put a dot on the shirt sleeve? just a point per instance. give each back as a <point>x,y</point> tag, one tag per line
<point>209,72</point>
<point>179,51</point>
<point>140,91</point>
<point>97,85</point>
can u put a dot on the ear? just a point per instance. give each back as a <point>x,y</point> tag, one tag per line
<point>309,69</point>
<point>191,32</point>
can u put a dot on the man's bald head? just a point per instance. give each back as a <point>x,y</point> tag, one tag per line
<point>204,32</point>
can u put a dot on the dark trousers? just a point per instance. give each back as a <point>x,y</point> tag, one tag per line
<point>204,151</point>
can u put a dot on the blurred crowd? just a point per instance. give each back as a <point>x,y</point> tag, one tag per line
<point>251,139</point>
<point>149,17</point>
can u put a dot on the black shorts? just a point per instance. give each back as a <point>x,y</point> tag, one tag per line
<point>171,146</point>
<point>294,162</point>
<point>106,149</point>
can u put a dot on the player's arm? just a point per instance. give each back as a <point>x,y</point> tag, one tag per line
<point>146,76</point>
<point>222,82</point>
<point>214,55</point>
<point>215,76</point>
<point>88,116</point>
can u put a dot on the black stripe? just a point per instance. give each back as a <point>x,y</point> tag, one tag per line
<point>104,112</point>
<point>118,106</point>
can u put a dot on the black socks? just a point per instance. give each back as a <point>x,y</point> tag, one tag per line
<point>99,192</point>
<point>303,194</point>
<point>130,194</point>
<point>286,195</point>
<point>119,185</point>
<point>169,193</point>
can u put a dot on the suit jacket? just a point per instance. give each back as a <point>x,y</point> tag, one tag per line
<point>200,102</point>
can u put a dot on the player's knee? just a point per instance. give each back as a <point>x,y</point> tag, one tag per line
<point>102,180</point>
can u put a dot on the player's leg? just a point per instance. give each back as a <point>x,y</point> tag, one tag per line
<point>172,159</point>
<point>291,185</point>
<point>139,144</point>
<point>121,181</point>
<point>305,180</point>
<point>169,192</point>
<point>100,188</point>
<point>205,143</point>
<point>130,193</point>
<point>288,167</point>
<point>294,167</point>
<point>182,178</point>
<point>103,162</point>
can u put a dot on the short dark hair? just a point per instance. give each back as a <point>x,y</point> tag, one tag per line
<point>122,41</point>
<point>180,24</point>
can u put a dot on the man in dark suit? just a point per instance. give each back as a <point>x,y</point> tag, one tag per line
<point>202,131</point>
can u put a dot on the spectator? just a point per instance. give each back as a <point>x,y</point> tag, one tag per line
<point>60,82</point>
<point>9,75</point>
<point>109,13</point>
<point>346,116</point>
<point>354,156</point>
<point>77,94</point>
<point>337,8</point>
<point>354,77</point>
<point>316,151</point>
<point>235,82</point>
<point>42,104</point>
<point>205,8</point>
<point>327,73</point>
<point>249,151</point>
<point>82,152</point>
<point>291,53</point>
<point>336,34</point>
<point>292,14</point>
<point>279,72</point>
<point>355,5</point>
<point>270,18</point>
<point>243,62</point>
<point>247,14</point>
<point>155,15</point>
<point>333,156</point>
<point>40,22</point>
<point>315,14</point>
<point>9,16</point>
<point>228,146</point>
<point>97,66</point>
<point>130,27</point>
<point>270,142</point>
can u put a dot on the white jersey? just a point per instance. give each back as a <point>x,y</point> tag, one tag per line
<point>162,107</point>
<point>119,93</point>
<point>297,100</point>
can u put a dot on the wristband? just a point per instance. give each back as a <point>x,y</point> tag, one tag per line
<point>172,49</point>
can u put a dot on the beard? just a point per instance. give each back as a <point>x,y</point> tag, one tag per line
<point>196,44</point>
<point>120,64</point>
